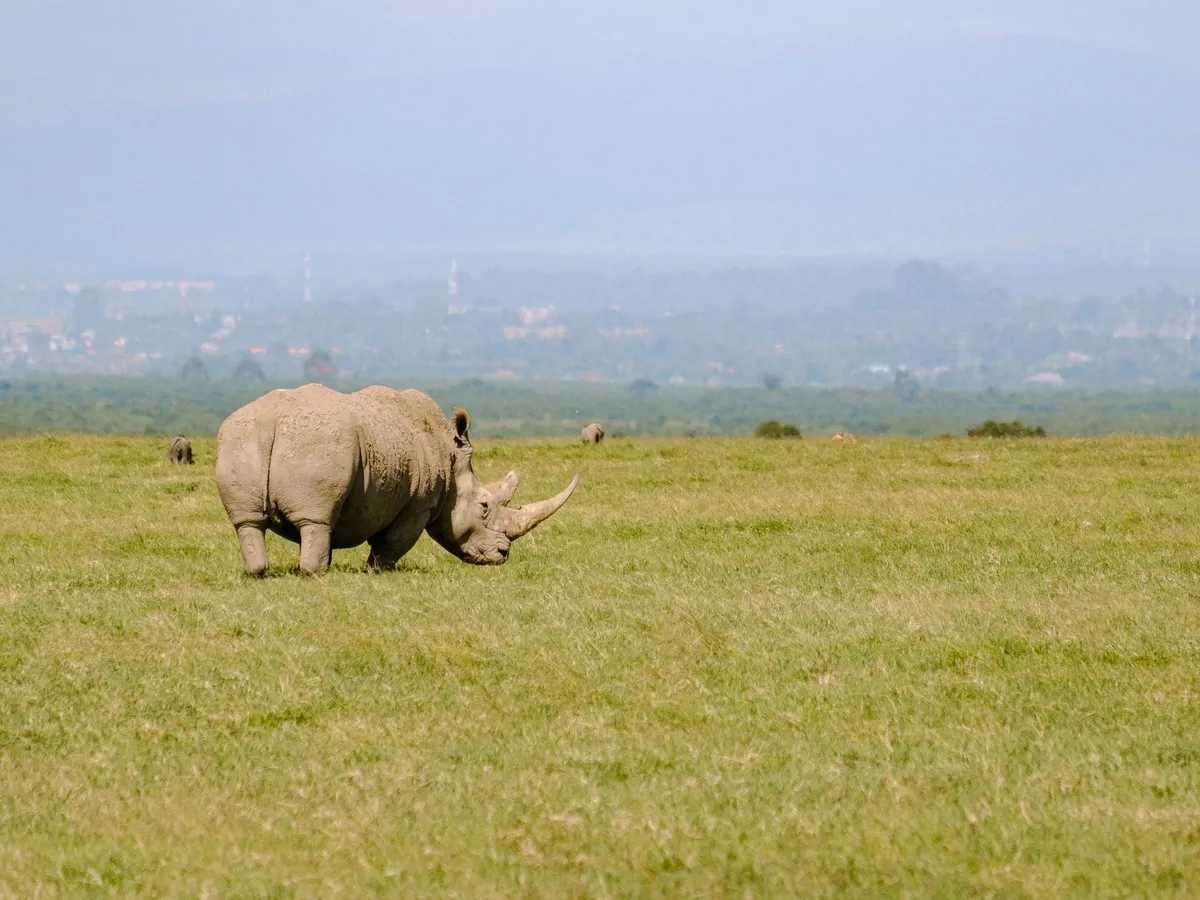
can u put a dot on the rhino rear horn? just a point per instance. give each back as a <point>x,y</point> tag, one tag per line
<point>521,520</point>
<point>503,490</point>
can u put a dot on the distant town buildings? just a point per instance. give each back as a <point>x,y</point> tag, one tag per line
<point>737,328</point>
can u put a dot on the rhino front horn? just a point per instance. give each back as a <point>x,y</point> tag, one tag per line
<point>521,520</point>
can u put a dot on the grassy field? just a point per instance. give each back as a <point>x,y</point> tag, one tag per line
<point>728,667</point>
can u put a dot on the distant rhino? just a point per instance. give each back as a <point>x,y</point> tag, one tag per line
<point>180,451</point>
<point>592,434</point>
<point>331,470</point>
<point>845,437</point>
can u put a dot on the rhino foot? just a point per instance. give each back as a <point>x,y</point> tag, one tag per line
<point>379,564</point>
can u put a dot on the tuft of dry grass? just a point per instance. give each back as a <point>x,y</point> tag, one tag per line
<point>727,667</point>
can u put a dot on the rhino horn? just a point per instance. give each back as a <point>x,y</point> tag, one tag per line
<point>503,490</point>
<point>521,520</point>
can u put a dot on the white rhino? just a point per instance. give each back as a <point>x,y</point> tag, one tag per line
<point>592,434</point>
<point>332,470</point>
<point>180,451</point>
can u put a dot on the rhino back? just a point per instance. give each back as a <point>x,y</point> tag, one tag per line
<point>314,457</point>
<point>367,458</point>
<point>406,444</point>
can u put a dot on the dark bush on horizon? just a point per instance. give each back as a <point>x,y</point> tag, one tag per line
<point>775,430</point>
<point>248,370</point>
<point>1015,428</point>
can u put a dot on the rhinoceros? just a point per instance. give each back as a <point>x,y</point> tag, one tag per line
<point>592,434</point>
<point>332,470</point>
<point>180,451</point>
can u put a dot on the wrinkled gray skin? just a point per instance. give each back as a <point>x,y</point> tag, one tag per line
<point>333,470</point>
<point>180,451</point>
<point>592,434</point>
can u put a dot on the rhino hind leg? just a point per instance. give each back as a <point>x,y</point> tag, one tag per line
<point>316,548</point>
<point>253,541</point>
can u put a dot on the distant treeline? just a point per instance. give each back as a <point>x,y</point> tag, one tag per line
<point>531,408</point>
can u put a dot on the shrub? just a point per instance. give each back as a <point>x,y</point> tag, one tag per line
<point>248,370</point>
<point>194,371</point>
<point>1015,428</point>
<point>905,385</point>
<point>775,430</point>
<point>320,366</point>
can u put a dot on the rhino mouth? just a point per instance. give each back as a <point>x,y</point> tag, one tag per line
<point>497,557</point>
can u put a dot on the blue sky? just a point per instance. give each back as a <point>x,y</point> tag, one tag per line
<point>197,132</point>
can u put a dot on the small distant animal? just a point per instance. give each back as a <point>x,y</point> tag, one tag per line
<point>592,434</point>
<point>845,437</point>
<point>180,451</point>
<point>329,471</point>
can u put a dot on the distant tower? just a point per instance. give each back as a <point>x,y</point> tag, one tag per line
<point>454,310</point>
<point>1191,327</point>
<point>307,282</point>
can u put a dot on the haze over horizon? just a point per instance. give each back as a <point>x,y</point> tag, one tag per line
<point>220,134</point>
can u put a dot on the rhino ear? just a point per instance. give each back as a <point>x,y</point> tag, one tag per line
<point>462,421</point>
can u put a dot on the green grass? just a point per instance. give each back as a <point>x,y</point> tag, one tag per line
<point>726,668</point>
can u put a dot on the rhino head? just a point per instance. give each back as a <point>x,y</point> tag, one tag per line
<point>475,522</point>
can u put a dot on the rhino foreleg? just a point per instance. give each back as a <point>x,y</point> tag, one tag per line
<point>397,539</point>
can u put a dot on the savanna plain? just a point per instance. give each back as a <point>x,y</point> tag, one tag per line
<point>728,667</point>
